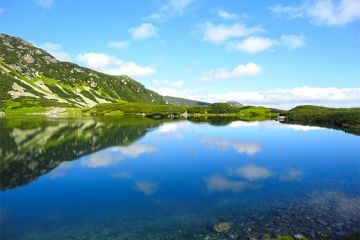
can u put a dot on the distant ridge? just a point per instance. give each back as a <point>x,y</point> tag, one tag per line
<point>184,101</point>
<point>235,104</point>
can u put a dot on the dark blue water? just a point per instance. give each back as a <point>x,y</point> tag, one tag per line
<point>146,179</point>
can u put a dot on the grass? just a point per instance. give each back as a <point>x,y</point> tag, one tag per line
<point>26,111</point>
<point>134,108</point>
<point>74,112</point>
<point>212,110</point>
<point>347,119</point>
<point>225,110</point>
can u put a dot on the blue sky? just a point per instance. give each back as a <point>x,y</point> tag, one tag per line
<point>273,53</point>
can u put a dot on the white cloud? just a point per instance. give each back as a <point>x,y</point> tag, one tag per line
<point>242,70</point>
<point>144,31</point>
<point>112,65</point>
<point>293,41</point>
<point>323,12</point>
<point>56,50</point>
<point>221,184</point>
<point>252,172</point>
<point>167,87</point>
<point>233,35</point>
<point>253,44</point>
<point>98,60</point>
<point>168,84</point>
<point>44,3</point>
<point>174,92</point>
<point>249,149</point>
<point>146,187</point>
<point>290,11</point>
<point>172,8</point>
<point>178,5</point>
<point>220,33</point>
<point>156,16</point>
<point>226,15</point>
<point>132,69</point>
<point>114,155</point>
<point>288,98</point>
<point>1,10</point>
<point>284,98</point>
<point>118,44</point>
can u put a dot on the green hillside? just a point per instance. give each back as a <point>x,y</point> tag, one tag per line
<point>30,77</point>
<point>347,119</point>
<point>235,104</point>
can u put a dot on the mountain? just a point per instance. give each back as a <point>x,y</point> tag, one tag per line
<point>235,104</point>
<point>184,101</point>
<point>31,77</point>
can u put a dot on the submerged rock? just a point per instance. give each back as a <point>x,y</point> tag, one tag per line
<point>222,226</point>
<point>298,236</point>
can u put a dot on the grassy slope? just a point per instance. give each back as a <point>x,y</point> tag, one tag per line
<point>198,111</point>
<point>347,119</point>
<point>24,66</point>
<point>134,108</point>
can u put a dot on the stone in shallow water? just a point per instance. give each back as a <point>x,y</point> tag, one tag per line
<point>222,226</point>
<point>298,236</point>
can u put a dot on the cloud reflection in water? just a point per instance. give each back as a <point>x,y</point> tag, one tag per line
<point>146,187</point>
<point>60,170</point>
<point>113,155</point>
<point>291,175</point>
<point>249,149</point>
<point>221,184</point>
<point>253,172</point>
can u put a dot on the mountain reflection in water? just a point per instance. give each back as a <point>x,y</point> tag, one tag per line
<point>139,178</point>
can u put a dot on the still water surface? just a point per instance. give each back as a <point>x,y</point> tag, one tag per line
<point>135,178</point>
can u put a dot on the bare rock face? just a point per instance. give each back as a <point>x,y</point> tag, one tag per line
<point>49,59</point>
<point>28,58</point>
<point>93,84</point>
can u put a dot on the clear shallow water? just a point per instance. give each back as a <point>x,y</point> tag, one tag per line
<point>145,179</point>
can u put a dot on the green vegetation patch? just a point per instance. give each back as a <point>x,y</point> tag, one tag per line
<point>134,108</point>
<point>347,119</point>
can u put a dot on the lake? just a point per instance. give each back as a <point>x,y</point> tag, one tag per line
<point>138,178</point>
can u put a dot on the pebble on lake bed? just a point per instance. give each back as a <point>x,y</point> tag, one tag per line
<point>222,226</point>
